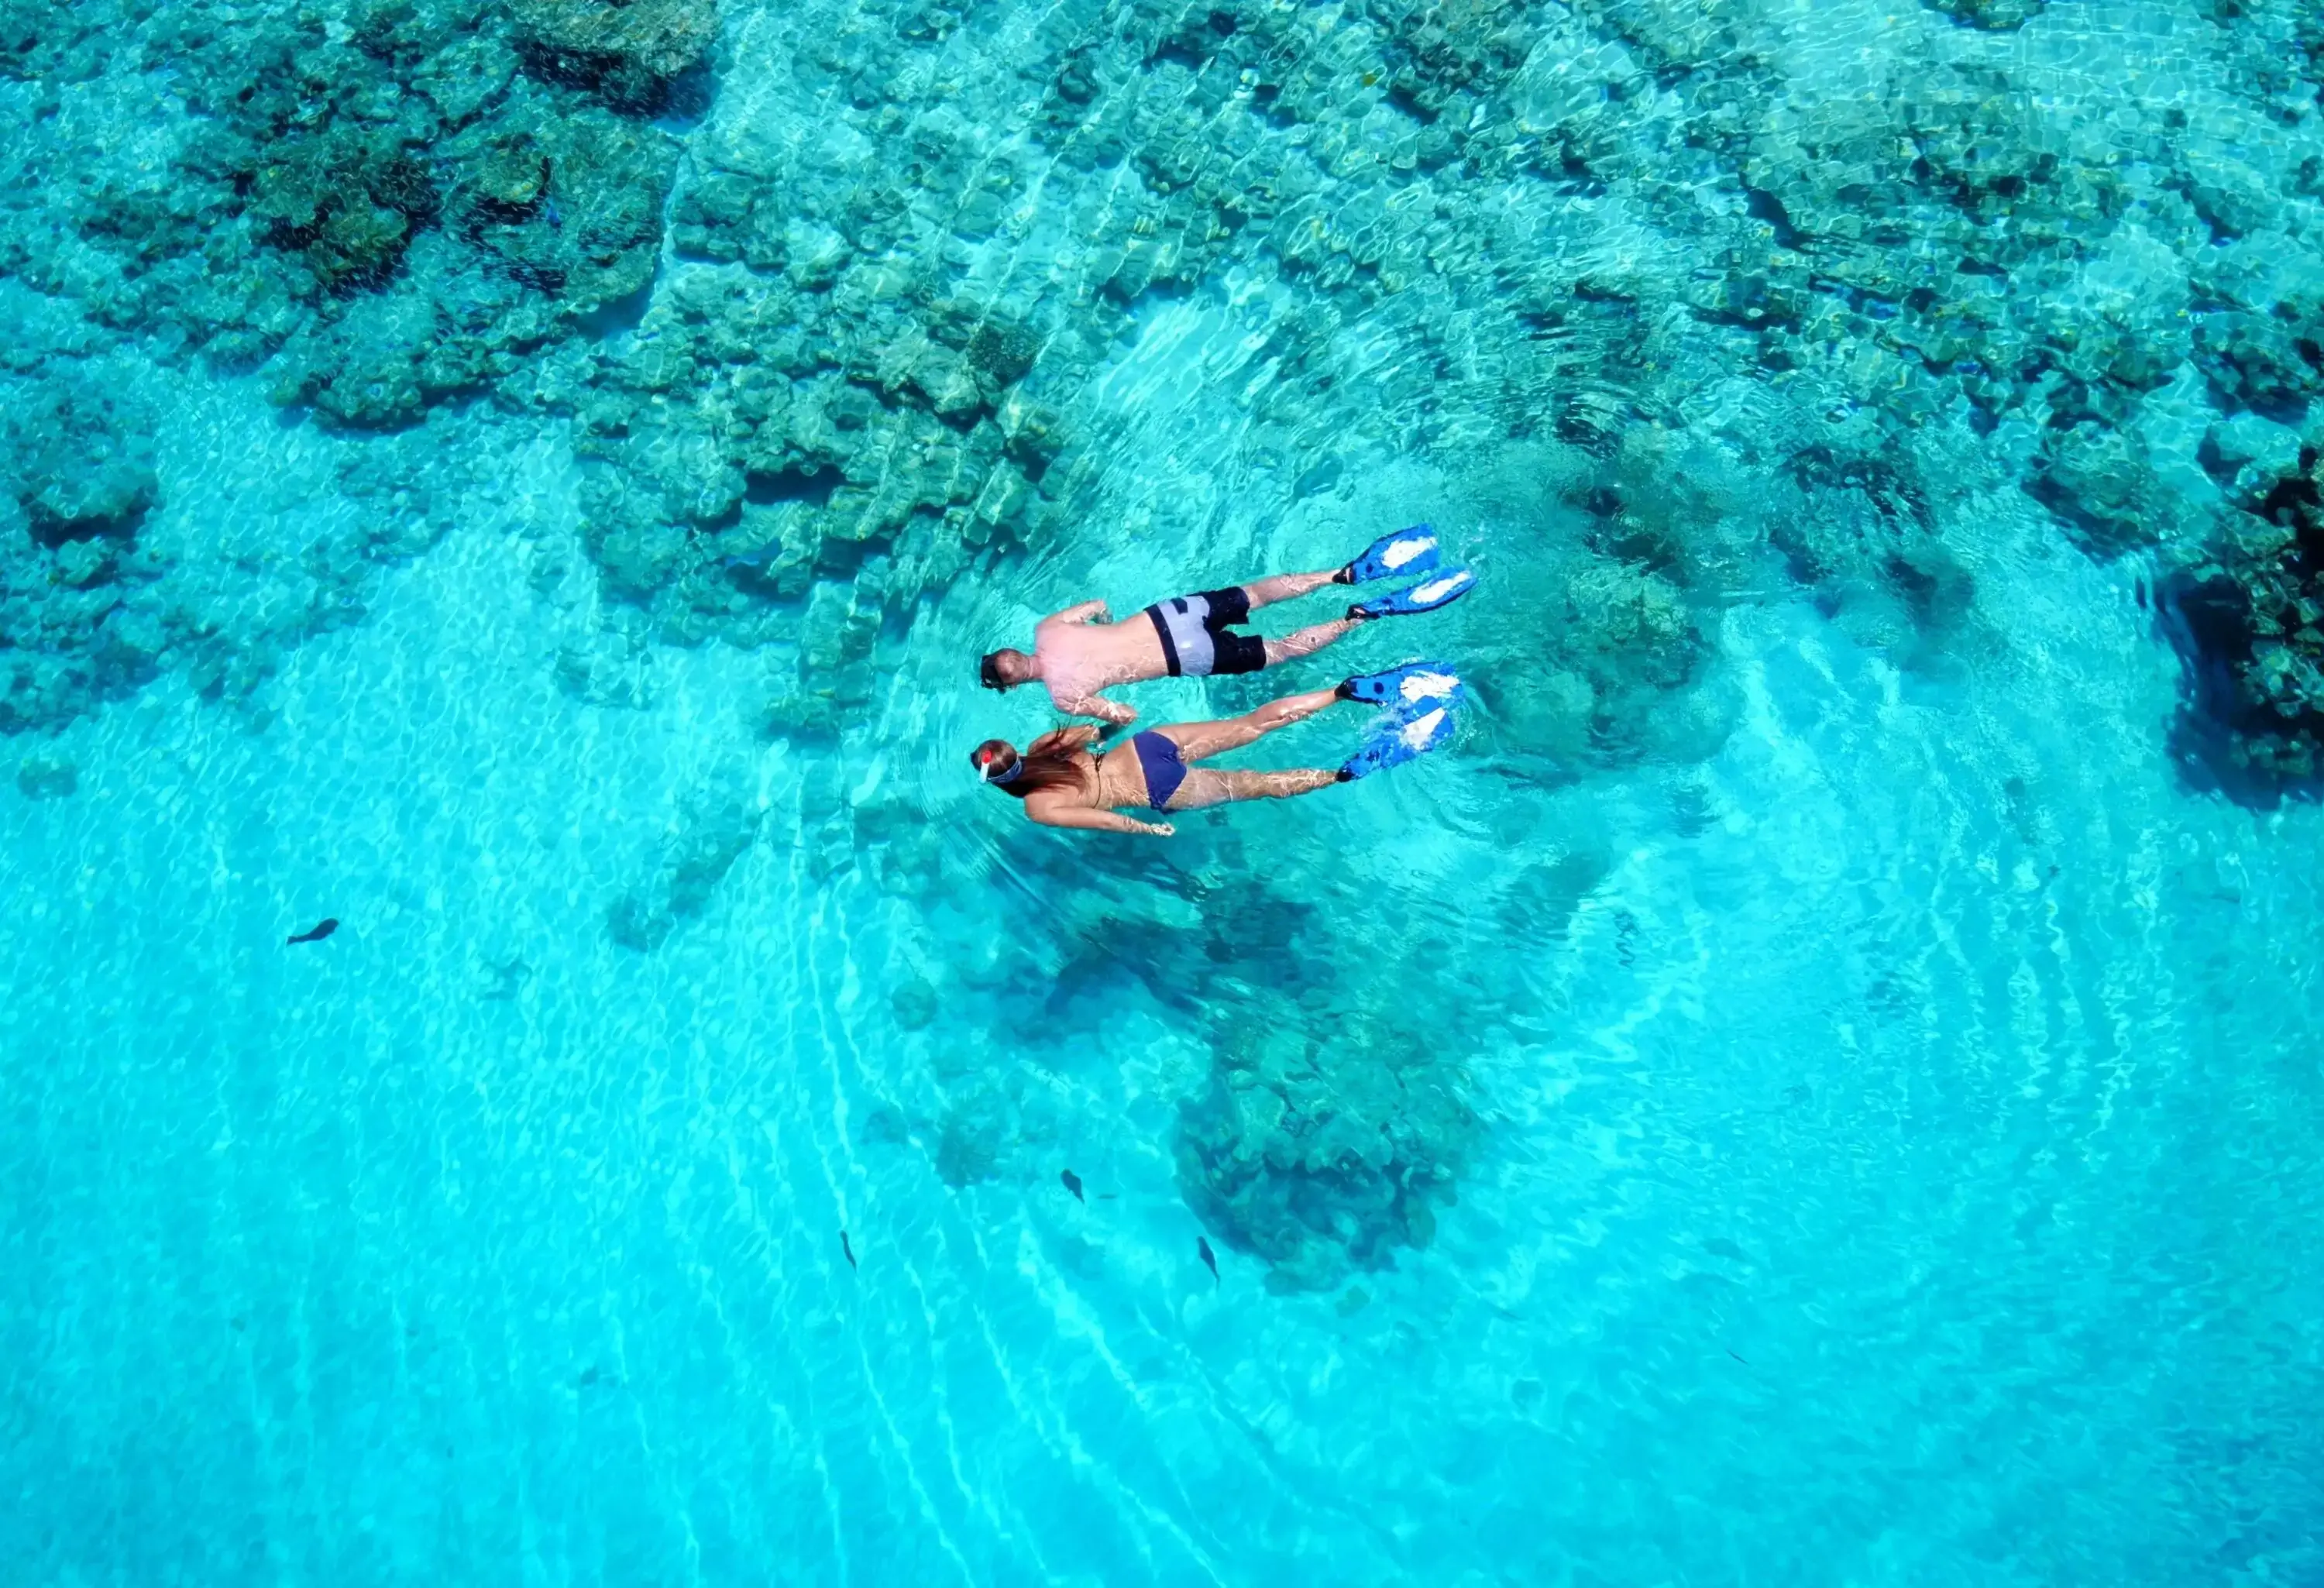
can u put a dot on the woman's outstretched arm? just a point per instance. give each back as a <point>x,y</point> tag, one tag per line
<point>1105,821</point>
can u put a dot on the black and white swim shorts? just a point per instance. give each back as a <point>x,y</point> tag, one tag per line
<point>1196,638</point>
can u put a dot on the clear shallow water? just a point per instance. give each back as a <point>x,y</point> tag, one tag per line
<point>1896,1138</point>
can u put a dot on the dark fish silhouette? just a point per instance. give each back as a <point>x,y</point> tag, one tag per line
<point>1730,1351</point>
<point>1210,1260</point>
<point>846,1249</point>
<point>1074,1184</point>
<point>320,930</point>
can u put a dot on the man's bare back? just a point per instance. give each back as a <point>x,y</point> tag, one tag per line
<point>1081,652</point>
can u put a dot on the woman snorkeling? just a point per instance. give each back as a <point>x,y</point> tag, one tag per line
<point>1065,782</point>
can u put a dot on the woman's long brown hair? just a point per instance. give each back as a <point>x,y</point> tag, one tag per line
<point>1053,760</point>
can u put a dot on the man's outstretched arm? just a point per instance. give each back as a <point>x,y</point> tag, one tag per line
<point>1086,612</point>
<point>1099,707</point>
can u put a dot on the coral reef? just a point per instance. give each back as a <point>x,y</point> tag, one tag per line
<point>2249,620</point>
<point>871,368</point>
<point>417,196</point>
<point>628,54</point>
<point>1323,1154</point>
<point>1994,16</point>
<point>111,573</point>
<point>76,459</point>
<point>1726,316</point>
<point>1326,1126</point>
<point>76,483</point>
<point>1582,683</point>
<point>47,777</point>
<point>717,822</point>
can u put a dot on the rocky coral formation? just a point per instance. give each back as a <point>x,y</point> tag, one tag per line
<point>1324,1155</point>
<point>550,225</point>
<point>717,824</point>
<point>390,205</point>
<point>820,434</point>
<point>111,573</point>
<point>47,777</point>
<point>1780,314</point>
<point>77,482</point>
<point>2265,348</point>
<point>418,203</point>
<point>1994,16</point>
<point>76,459</point>
<point>2249,620</point>
<point>1588,680</point>
<point>416,197</point>
<point>628,54</point>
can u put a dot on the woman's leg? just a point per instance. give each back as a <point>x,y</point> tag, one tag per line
<point>1306,642</point>
<point>1198,741</point>
<point>1206,786</point>
<point>1278,587</point>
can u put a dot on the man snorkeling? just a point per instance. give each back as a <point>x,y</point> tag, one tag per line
<point>1065,783</point>
<point>1080,652</point>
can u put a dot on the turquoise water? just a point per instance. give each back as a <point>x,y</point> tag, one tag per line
<point>1817,1085</point>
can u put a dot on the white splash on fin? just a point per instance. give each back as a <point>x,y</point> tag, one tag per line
<point>1403,551</point>
<point>1431,686</point>
<point>1420,733</point>
<point>1439,588</point>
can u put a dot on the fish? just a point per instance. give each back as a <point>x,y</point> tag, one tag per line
<point>846,1249</point>
<point>1210,1259</point>
<point>1074,1184</point>
<point>1730,1351</point>
<point>314,933</point>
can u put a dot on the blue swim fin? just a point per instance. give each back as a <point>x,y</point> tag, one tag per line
<point>1406,552</point>
<point>1406,686</point>
<point>1413,735</point>
<point>1428,595</point>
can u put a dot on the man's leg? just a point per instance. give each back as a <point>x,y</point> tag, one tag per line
<point>1276,587</point>
<point>1207,786</point>
<point>1196,740</point>
<point>1306,642</point>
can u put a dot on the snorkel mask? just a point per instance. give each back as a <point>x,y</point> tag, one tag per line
<point>985,762</point>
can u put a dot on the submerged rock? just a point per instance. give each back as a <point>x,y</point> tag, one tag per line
<point>2248,621</point>
<point>971,1137</point>
<point>318,153</point>
<point>77,485</point>
<point>716,824</point>
<point>77,457</point>
<point>629,53</point>
<point>1993,15</point>
<point>47,777</point>
<point>1323,1157</point>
